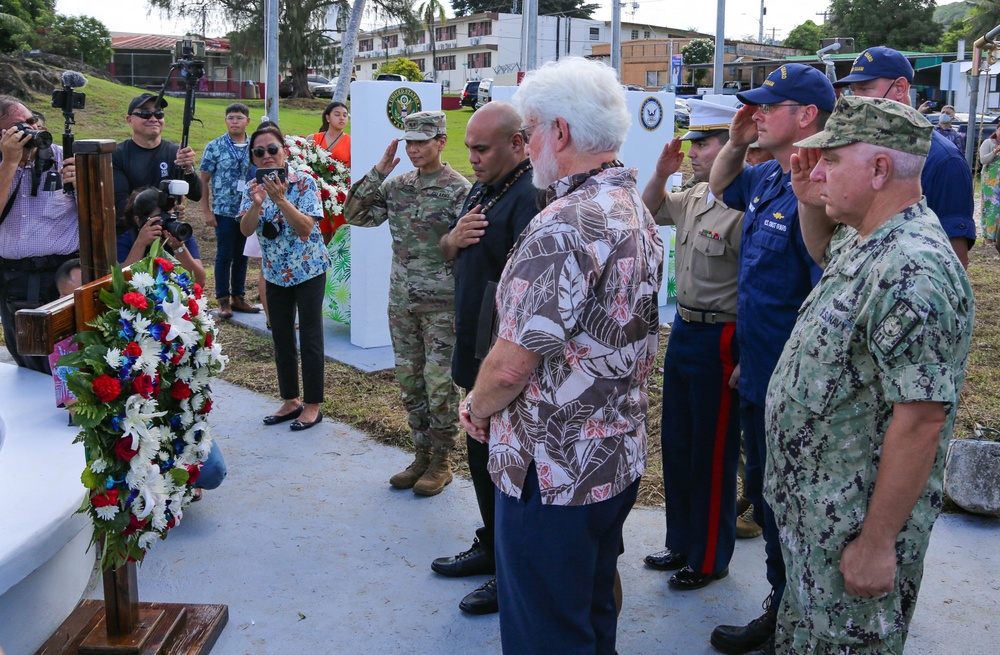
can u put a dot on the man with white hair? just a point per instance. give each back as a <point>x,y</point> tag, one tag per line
<point>862,402</point>
<point>562,396</point>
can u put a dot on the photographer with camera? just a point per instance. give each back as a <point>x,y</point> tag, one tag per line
<point>147,218</point>
<point>39,227</point>
<point>146,158</point>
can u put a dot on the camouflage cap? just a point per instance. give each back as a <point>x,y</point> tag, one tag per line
<point>424,125</point>
<point>878,121</point>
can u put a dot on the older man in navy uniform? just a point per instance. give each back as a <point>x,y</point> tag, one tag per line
<point>700,433</point>
<point>776,273</point>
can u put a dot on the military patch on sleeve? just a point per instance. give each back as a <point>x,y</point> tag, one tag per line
<point>897,324</point>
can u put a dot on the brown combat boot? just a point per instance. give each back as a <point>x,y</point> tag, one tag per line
<point>240,304</point>
<point>409,477</point>
<point>224,309</point>
<point>437,476</point>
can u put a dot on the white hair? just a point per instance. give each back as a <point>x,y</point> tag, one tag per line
<point>905,165</point>
<point>586,94</point>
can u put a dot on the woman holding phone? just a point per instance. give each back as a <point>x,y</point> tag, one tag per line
<point>988,151</point>
<point>283,208</point>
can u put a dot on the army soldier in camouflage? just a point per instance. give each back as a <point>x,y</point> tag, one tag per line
<point>863,399</point>
<point>419,205</point>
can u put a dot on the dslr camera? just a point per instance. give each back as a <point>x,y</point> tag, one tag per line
<point>159,203</point>
<point>39,138</point>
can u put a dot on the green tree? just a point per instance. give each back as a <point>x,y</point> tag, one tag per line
<point>427,12</point>
<point>78,37</point>
<point>570,8</point>
<point>18,20</point>
<point>899,24</point>
<point>400,66</point>
<point>699,51</point>
<point>985,15</point>
<point>958,29</point>
<point>302,32</point>
<point>804,37</point>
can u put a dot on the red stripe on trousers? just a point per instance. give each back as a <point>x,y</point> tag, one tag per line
<point>719,449</point>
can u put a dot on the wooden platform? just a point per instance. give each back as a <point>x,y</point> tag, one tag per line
<point>171,629</point>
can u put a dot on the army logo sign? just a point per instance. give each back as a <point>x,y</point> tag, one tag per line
<point>402,102</point>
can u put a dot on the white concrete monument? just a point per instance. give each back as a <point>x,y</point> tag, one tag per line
<point>377,113</point>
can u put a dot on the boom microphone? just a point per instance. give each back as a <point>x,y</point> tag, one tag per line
<point>73,80</point>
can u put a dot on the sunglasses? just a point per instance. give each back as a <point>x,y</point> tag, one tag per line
<point>271,150</point>
<point>145,114</point>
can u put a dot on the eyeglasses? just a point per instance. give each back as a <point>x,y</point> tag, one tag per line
<point>145,114</point>
<point>527,131</point>
<point>766,109</point>
<point>271,150</point>
<point>237,117</point>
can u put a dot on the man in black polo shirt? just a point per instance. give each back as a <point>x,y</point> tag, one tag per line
<point>498,208</point>
<point>146,158</point>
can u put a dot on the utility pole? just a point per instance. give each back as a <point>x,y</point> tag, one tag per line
<point>616,37</point>
<point>530,8</point>
<point>271,57</point>
<point>720,46</point>
<point>763,11</point>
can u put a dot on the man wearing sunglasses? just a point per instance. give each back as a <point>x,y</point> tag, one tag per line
<point>776,274</point>
<point>146,159</point>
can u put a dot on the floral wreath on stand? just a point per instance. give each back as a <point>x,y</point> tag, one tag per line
<point>143,399</point>
<point>332,177</point>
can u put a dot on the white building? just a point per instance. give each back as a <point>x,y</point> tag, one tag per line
<point>489,45</point>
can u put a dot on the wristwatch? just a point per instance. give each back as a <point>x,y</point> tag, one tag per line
<point>179,249</point>
<point>468,406</point>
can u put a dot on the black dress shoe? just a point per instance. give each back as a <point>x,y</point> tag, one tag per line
<point>274,419</point>
<point>687,578</point>
<point>483,600</point>
<point>478,560</point>
<point>666,560</point>
<point>298,426</point>
<point>741,639</point>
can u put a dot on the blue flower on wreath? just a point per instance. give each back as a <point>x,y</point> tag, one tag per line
<point>126,331</point>
<point>175,422</point>
<point>132,496</point>
<point>116,422</point>
<point>166,466</point>
<point>184,281</point>
<point>158,331</point>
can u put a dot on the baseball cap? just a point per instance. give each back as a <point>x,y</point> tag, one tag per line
<point>424,125</point>
<point>708,118</point>
<point>878,121</point>
<point>875,63</point>
<point>142,99</point>
<point>795,82</point>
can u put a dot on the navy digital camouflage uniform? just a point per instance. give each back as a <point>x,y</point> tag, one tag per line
<point>889,322</point>
<point>421,290</point>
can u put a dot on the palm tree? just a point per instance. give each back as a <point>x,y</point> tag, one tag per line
<point>984,16</point>
<point>427,12</point>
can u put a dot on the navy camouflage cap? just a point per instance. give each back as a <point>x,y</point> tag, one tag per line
<point>796,82</point>
<point>424,125</point>
<point>875,63</point>
<point>878,121</point>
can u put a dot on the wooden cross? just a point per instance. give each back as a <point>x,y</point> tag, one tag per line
<point>121,624</point>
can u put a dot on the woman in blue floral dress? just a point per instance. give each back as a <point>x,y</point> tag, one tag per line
<point>284,215</point>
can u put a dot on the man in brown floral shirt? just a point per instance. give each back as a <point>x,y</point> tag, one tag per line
<point>562,396</point>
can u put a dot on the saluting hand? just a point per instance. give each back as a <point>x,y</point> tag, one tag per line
<point>389,159</point>
<point>743,129</point>
<point>669,161</point>
<point>806,191</point>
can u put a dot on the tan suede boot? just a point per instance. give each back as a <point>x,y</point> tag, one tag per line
<point>240,304</point>
<point>406,479</point>
<point>225,311</point>
<point>437,476</point>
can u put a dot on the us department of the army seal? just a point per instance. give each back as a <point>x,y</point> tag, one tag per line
<point>651,113</point>
<point>402,103</point>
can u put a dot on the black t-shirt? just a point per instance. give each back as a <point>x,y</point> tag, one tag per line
<point>135,167</point>
<point>481,263</point>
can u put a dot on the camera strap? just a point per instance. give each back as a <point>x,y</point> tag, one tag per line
<point>11,199</point>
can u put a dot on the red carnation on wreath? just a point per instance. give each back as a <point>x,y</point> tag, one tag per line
<point>107,499</point>
<point>198,290</point>
<point>207,407</point>
<point>143,385</point>
<point>135,299</point>
<point>180,390</point>
<point>166,265</point>
<point>106,387</point>
<point>193,307</point>
<point>133,349</point>
<point>124,450</point>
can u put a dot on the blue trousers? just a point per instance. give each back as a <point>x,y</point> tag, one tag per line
<point>700,437</point>
<point>230,262</point>
<point>755,437</point>
<point>556,572</point>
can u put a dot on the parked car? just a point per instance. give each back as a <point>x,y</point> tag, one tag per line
<point>390,77</point>
<point>987,125</point>
<point>286,87</point>
<point>633,87</point>
<point>485,92</point>
<point>682,113</point>
<point>470,94</point>
<point>686,91</point>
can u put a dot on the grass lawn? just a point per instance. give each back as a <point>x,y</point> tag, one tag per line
<point>370,402</point>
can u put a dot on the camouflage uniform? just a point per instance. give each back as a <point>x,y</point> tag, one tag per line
<point>421,290</point>
<point>890,322</point>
